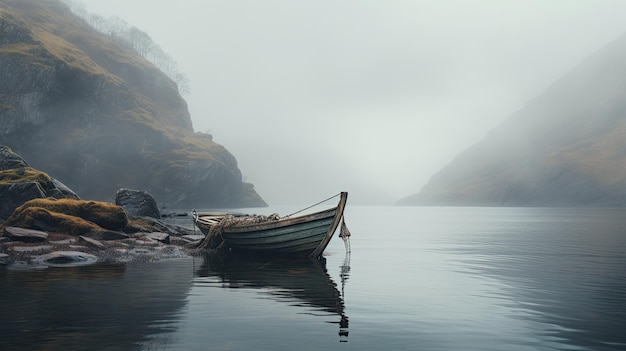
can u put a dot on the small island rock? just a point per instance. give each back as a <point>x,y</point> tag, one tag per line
<point>137,203</point>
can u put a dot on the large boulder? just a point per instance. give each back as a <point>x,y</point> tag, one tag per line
<point>15,194</point>
<point>10,160</point>
<point>20,183</point>
<point>137,203</point>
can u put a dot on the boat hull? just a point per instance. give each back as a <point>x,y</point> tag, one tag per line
<point>297,238</point>
<point>306,235</point>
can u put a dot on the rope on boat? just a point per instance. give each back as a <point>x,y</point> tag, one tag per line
<point>213,239</point>
<point>306,208</point>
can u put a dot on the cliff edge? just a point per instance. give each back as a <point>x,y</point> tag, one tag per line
<point>100,117</point>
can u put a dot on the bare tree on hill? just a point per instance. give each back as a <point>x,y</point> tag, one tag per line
<point>133,39</point>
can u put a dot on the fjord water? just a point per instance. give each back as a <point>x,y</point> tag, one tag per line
<point>418,278</point>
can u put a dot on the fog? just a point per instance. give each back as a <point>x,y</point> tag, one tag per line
<point>372,97</point>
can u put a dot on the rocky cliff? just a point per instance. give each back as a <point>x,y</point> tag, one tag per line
<point>565,148</point>
<point>99,117</point>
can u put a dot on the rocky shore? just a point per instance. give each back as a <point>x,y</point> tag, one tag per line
<point>44,223</point>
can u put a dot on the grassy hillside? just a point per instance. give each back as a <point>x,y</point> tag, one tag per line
<point>100,117</point>
<point>565,148</point>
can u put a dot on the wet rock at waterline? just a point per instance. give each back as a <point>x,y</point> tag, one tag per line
<point>40,216</point>
<point>66,259</point>
<point>22,234</point>
<point>160,237</point>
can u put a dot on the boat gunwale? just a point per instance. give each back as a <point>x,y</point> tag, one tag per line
<point>282,222</point>
<point>271,224</point>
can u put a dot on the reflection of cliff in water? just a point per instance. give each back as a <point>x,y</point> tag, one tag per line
<point>98,307</point>
<point>302,280</point>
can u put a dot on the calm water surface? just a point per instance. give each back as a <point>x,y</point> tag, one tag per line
<point>418,278</point>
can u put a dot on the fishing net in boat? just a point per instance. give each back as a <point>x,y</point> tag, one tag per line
<point>214,240</point>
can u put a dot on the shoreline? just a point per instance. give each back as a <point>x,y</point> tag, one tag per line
<point>40,249</point>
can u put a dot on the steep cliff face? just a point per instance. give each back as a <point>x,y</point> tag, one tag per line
<point>100,117</point>
<point>565,148</point>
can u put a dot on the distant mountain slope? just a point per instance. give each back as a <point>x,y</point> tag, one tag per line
<point>99,117</point>
<point>564,148</point>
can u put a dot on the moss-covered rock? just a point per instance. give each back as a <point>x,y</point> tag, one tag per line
<point>26,175</point>
<point>9,159</point>
<point>19,183</point>
<point>43,219</point>
<point>76,217</point>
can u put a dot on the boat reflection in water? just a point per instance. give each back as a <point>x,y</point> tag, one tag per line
<point>284,278</point>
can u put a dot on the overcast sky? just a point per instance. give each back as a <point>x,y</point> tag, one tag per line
<point>374,97</point>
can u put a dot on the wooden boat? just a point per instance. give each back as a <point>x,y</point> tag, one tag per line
<point>306,235</point>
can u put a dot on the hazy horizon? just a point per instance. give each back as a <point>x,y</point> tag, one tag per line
<point>313,98</point>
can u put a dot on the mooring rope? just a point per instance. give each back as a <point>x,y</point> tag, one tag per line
<point>213,238</point>
<point>304,209</point>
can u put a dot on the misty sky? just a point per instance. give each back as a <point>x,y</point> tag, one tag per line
<point>372,97</point>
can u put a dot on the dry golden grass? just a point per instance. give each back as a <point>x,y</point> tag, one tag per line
<point>56,33</point>
<point>602,158</point>
<point>26,174</point>
<point>40,218</point>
